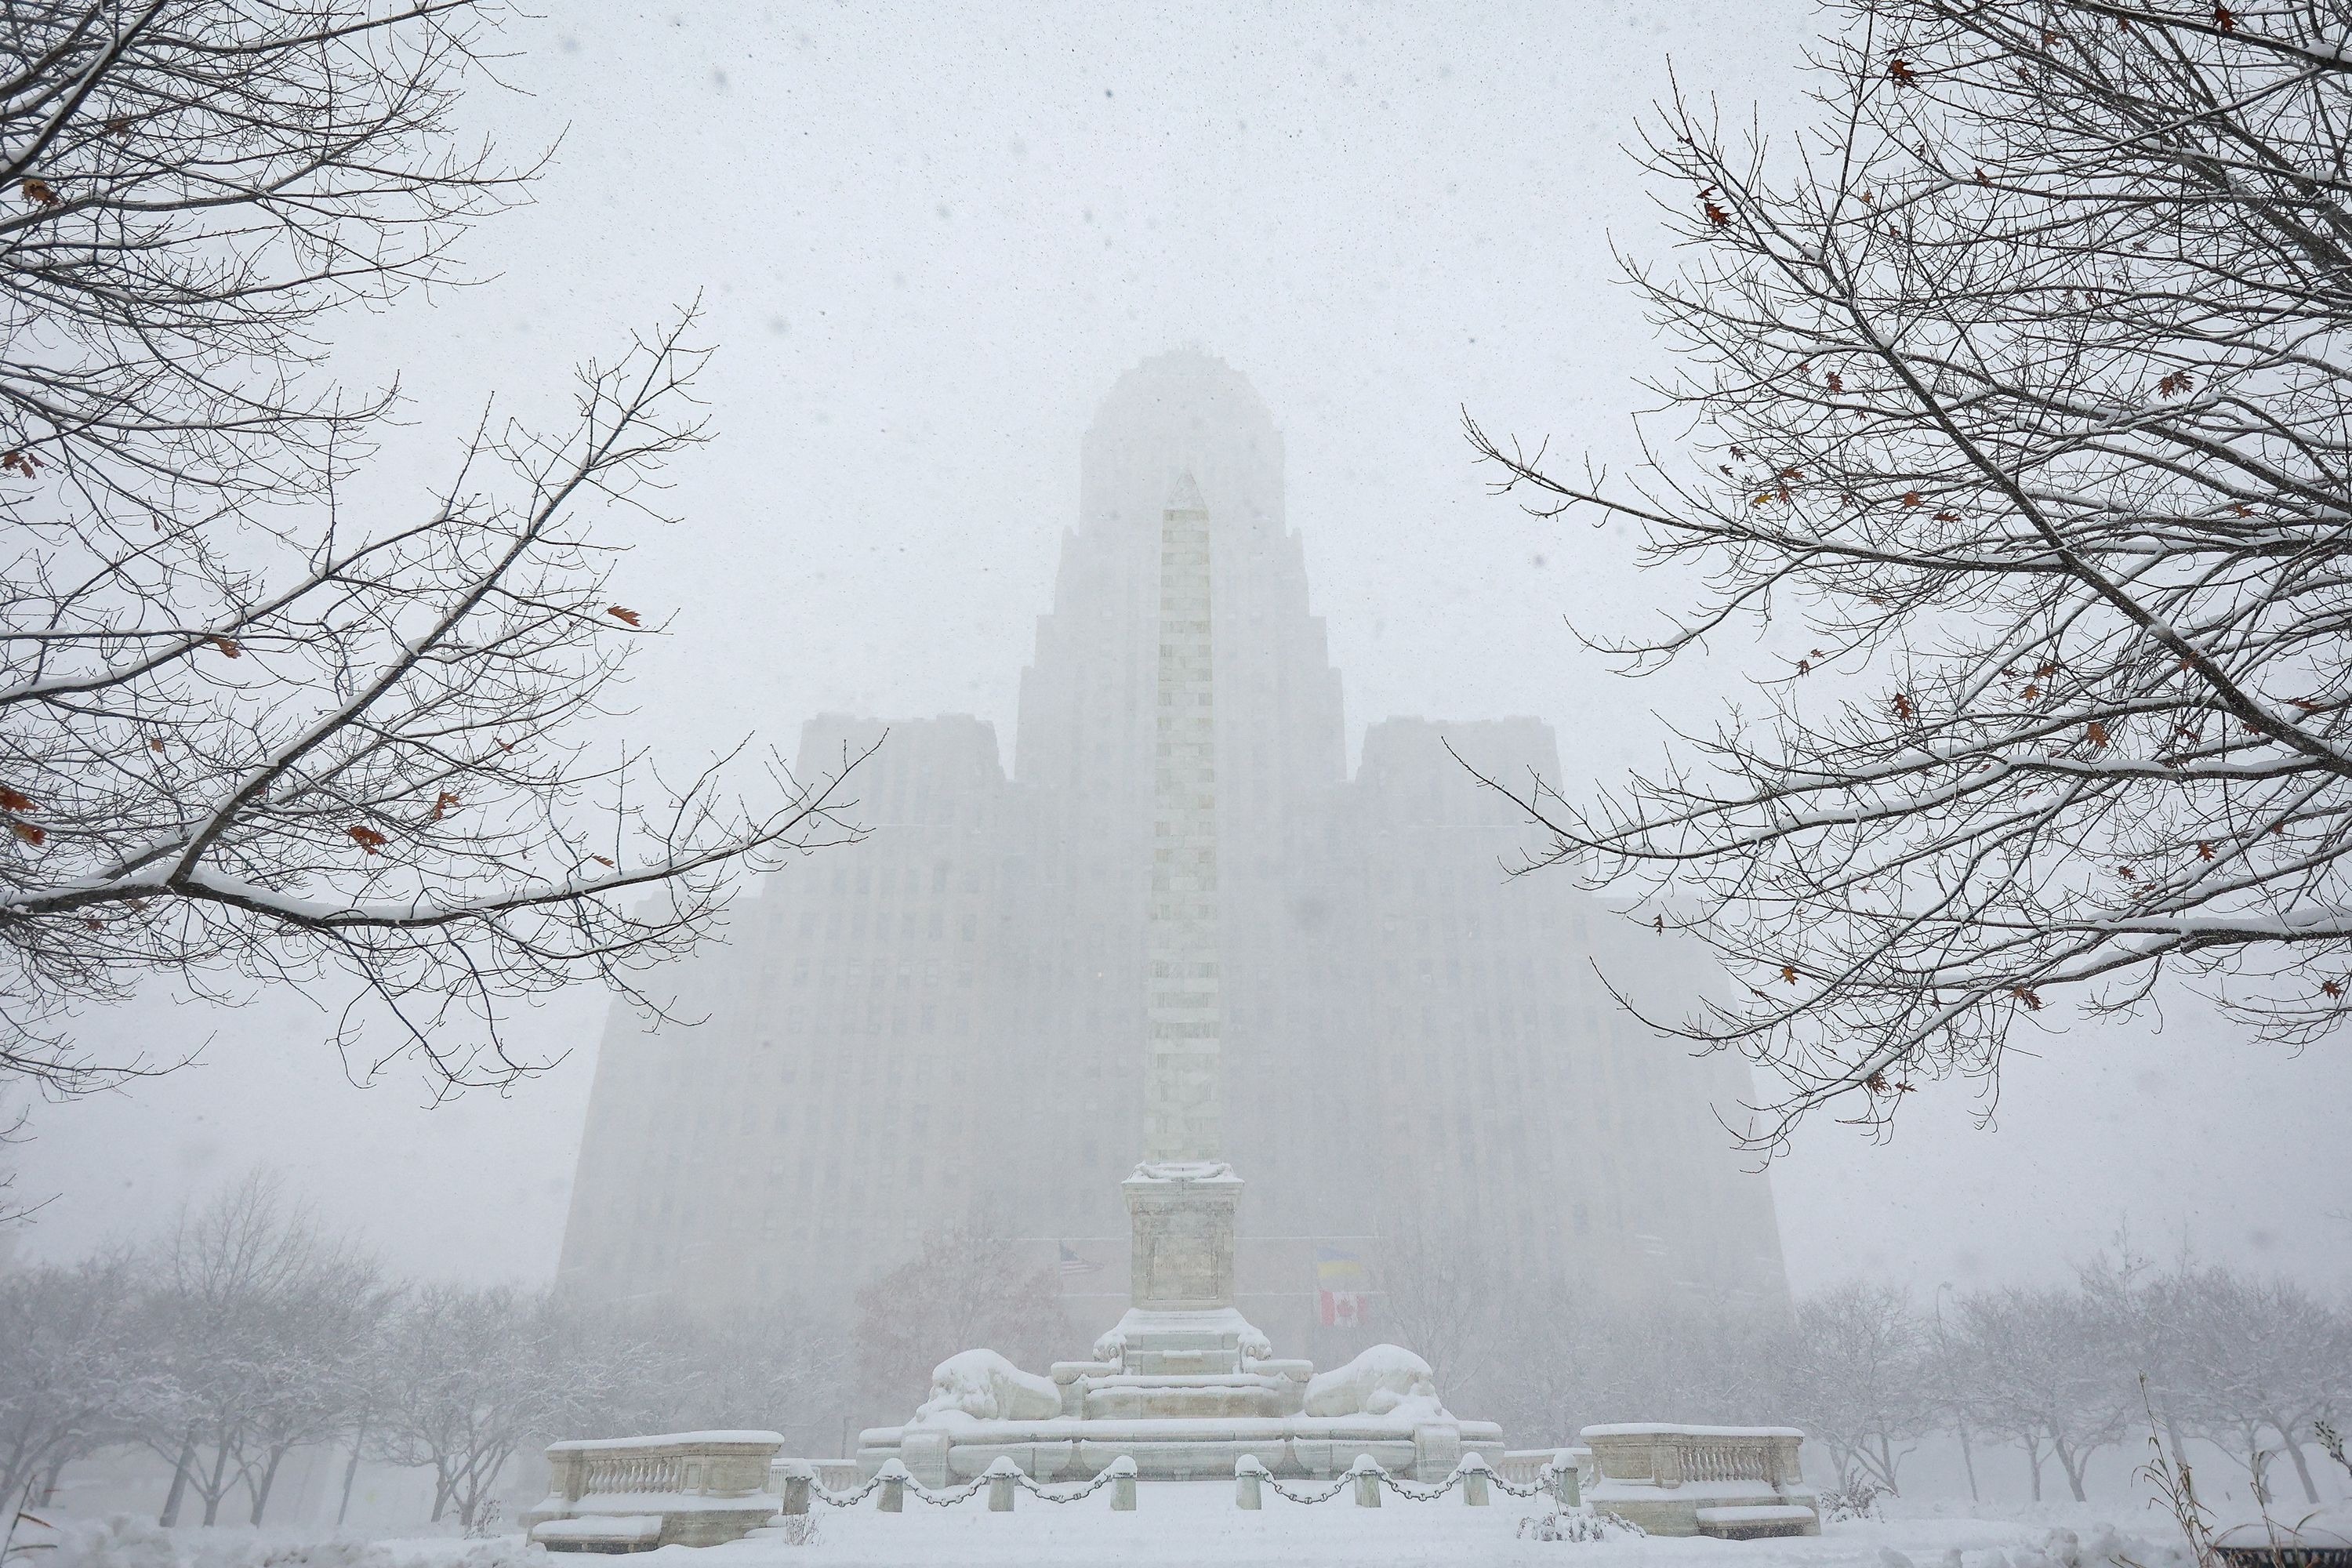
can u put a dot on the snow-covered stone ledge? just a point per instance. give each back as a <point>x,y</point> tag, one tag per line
<point>703,1488</point>
<point>1733,1481</point>
<point>1187,1425</point>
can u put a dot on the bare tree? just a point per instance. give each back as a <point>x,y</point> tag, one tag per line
<point>1438,1300</point>
<point>480,1373</point>
<point>1857,1374</point>
<point>316,1343</point>
<point>674,1368</point>
<point>243,734</point>
<point>70,1372</point>
<point>255,1321</point>
<point>2047,1368</point>
<point>965,1289</point>
<point>2262,1357</point>
<point>2010,404</point>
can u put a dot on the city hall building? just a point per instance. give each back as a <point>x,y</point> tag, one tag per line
<point>950,1021</point>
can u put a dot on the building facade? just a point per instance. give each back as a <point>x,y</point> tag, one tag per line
<point>952,1019</point>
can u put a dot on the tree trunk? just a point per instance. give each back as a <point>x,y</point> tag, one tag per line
<point>1968,1458</point>
<point>484,1479</point>
<point>440,1492</point>
<point>49,1481</point>
<point>269,1480</point>
<point>2073,1463</point>
<point>2301,1465</point>
<point>2172,1437</point>
<point>1887,1463</point>
<point>171,1514</point>
<point>350,1473</point>
<point>217,1488</point>
<point>2034,1461</point>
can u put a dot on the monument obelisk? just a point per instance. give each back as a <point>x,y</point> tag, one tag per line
<point>1183,1082</point>
<point>1182,1200</point>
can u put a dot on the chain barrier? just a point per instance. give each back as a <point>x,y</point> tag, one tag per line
<point>1266,1480</point>
<point>1421,1494</point>
<point>1037,1489</point>
<point>842,1500</point>
<point>948,1500</point>
<point>1406,1490</point>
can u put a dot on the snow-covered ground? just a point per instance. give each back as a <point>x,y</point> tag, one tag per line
<point>1193,1526</point>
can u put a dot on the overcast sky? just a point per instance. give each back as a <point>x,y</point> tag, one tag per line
<point>927,239</point>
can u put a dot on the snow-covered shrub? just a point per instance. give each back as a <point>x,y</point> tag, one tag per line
<point>1849,1500</point>
<point>1575,1526</point>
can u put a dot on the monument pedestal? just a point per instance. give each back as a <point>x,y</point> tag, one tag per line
<point>1182,1217</point>
<point>1184,1385</point>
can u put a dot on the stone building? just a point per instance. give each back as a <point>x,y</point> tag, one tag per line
<point>950,1020</point>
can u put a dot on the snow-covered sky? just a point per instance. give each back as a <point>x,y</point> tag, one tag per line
<point>926,239</point>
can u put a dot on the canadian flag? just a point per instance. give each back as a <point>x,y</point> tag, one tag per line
<point>1338,1279</point>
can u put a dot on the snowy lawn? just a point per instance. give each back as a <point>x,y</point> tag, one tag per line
<point>1176,1525</point>
<point>1179,1526</point>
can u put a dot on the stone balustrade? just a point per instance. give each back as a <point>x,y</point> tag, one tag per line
<point>1555,1469</point>
<point>703,1487</point>
<point>1735,1481</point>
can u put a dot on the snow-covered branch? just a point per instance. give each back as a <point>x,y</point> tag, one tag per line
<point>2018,396</point>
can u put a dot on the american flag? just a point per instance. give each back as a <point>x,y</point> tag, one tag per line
<point>1073,1264</point>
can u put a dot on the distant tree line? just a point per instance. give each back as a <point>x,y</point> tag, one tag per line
<point>2059,1373</point>
<point>250,1333</point>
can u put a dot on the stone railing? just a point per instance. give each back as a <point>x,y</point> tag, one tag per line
<point>1554,1469</point>
<point>703,1487</point>
<point>1524,1466</point>
<point>1692,1480</point>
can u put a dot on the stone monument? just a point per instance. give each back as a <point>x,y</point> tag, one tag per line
<point>1183,1384</point>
